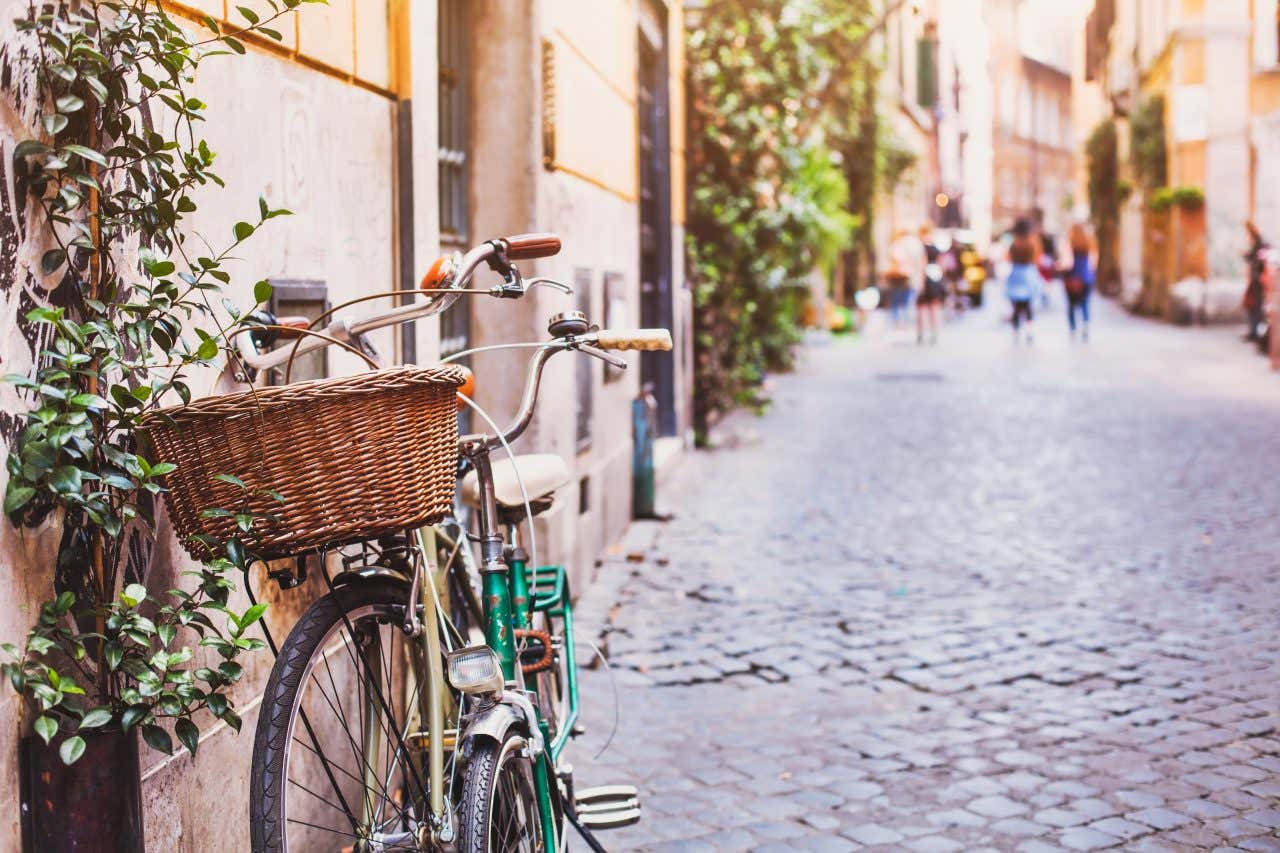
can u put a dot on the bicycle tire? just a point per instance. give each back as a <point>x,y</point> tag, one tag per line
<point>268,788</point>
<point>489,764</point>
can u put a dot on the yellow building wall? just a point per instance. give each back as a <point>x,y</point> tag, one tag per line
<point>1192,56</point>
<point>1264,96</point>
<point>675,38</point>
<point>595,47</point>
<point>1189,164</point>
<point>595,83</point>
<point>350,39</point>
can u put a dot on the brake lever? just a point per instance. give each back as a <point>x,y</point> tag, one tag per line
<point>612,360</point>
<point>531,283</point>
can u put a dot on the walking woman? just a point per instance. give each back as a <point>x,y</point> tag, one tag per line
<point>1024,276</point>
<point>933,290</point>
<point>1079,280</point>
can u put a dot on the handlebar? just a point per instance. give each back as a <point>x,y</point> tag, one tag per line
<point>525,247</point>
<point>445,282</point>
<point>638,339</point>
<point>620,339</point>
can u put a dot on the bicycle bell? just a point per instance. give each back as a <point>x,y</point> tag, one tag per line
<point>568,323</point>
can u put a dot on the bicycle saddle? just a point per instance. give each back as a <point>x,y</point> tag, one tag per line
<point>542,474</point>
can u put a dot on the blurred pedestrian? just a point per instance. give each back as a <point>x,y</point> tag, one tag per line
<point>1024,277</point>
<point>1255,291</point>
<point>1078,282</point>
<point>933,289</point>
<point>1046,263</point>
<point>906,269</point>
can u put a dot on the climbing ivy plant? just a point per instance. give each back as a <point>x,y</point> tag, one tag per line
<point>1148,154</point>
<point>115,167</point>
<point>1104,187</point>
<point>781,127</point>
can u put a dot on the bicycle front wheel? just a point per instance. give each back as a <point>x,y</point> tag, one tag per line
<point>499,811</point>
<point>339,751</point>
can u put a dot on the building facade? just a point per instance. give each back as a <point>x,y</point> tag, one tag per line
<point>1214,65</point>
<point>396,131</point>
<point>1032,141</point>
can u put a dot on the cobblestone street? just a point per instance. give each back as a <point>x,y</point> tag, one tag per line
<point>964,597</point>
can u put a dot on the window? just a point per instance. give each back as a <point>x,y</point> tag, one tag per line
<point>301,298</point>
<point>454,112</point>
<point>454,35</point>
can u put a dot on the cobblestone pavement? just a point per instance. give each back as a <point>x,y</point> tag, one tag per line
<point>966,597</point>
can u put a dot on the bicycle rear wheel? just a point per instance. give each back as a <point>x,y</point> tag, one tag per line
<point>339,752</point>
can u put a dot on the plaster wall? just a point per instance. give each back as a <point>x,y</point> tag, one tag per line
<point>304,140</point>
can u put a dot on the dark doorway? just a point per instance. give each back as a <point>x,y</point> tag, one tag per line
<point>657,370</point>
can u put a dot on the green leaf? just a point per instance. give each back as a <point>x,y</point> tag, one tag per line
<point>66,479</point>
<point>55,122</point>
<point>16,496</point>
<point>253,614</point>
<point>234,44</point>
<point>46,727</point>
<point>52,260</point>
<point>89,401</point>
<point>134,594</point>
<point>243,230</point>
<point>71,750</point>
<point>86,152</point>
<point>231,718</point>
<point>158,739</point>
<point>45,315</point>
<point>69,104</point>
<point>133,715</point>
<point>228,478</point>
<point>188,734</point>
<point>95,718</point>
<point>27,147</point>
<point>262,292</point>
<point>249,15</point>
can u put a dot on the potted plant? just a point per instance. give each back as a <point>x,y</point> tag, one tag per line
<point>133,310</point>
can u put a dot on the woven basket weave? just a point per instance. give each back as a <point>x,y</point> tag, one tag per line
<point>354,458</point>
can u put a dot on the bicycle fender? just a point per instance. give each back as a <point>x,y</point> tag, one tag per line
<point>495,722</point>
<point>512,711</point>
<point>349,578</point>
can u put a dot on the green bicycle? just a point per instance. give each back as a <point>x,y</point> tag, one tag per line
<point>424,702</point>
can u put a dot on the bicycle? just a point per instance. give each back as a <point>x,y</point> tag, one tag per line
<point>405,711</point>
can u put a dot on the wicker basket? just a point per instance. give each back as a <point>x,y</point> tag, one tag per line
<point>354,458</point>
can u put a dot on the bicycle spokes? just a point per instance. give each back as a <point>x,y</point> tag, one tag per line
<point>355,773</point>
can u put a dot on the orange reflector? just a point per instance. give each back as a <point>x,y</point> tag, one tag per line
<point>467,389</point>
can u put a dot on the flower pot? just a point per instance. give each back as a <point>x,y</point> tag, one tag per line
<point>93,805</point>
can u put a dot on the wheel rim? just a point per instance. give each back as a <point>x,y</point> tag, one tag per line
<point>326,804</point>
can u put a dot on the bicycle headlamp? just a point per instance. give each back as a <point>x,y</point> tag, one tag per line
<point>476,670</point>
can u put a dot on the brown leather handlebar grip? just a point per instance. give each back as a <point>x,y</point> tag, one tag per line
<point>524,247</point>
<point>291,328</point>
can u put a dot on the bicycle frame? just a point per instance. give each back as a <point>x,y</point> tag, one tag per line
<point>505,596</point>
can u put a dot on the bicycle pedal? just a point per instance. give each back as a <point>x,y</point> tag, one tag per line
<point>608,806</point>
